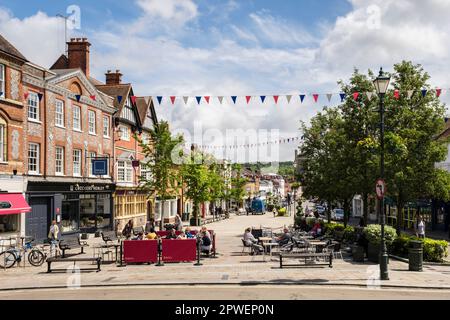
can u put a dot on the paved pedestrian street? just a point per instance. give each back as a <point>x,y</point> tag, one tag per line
<point>231,271</point>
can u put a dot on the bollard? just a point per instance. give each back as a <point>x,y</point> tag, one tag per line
<point>198,263</point>
<point>160,263</point>
<point>415,255</point>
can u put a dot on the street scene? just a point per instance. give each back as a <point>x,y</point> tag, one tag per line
<point>231,148</point>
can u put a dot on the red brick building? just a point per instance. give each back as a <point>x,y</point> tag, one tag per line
<point>12,137</point>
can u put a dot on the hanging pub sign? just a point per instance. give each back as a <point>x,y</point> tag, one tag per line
<point>100,166</point>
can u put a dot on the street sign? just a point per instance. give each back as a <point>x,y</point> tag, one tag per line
<point>100,167</point>
<point>380,188</point>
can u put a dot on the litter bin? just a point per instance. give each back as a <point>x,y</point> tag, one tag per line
<point>415,255</point>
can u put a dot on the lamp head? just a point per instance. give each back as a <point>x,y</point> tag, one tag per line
<point>381,83</point>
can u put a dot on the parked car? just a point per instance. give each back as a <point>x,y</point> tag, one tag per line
<point>337,214</point>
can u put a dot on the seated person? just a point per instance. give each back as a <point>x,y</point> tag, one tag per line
<point>182,235</point>
<point>205,238</point>
<point>151,235</point>
<point>285,238</point>
<point>188,233</point>
<point>172,234</point>
<point>250,240</point>
<point>316,231</point>
<point>140,236</point>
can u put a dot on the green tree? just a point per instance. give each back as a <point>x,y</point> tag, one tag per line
<point>237,191</point>
<point>160,160</point>
<point>412,149</point>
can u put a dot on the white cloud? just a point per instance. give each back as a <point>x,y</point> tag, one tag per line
<point>175,11</point>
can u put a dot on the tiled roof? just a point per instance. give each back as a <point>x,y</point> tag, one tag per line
<point>115,91</point>
<point>8,48</point>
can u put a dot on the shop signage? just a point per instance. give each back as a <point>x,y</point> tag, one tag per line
<point>100,167</point>
<point>58,187</point>
<point>89,187</point>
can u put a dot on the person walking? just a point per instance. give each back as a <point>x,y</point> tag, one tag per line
<point>53,234</point>
<point>420,228</point>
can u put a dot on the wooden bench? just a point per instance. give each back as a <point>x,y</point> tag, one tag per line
<point>306,257</point>
<point>98,261</point>
<point>70,243</point>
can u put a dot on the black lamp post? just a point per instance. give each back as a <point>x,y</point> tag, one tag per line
<point>381,84</point>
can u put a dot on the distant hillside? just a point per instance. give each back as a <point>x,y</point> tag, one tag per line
<point>285,169</point>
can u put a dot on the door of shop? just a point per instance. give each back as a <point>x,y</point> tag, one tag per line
<point>38,220</point>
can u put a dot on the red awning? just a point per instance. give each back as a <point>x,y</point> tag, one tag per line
<point>13,203</point>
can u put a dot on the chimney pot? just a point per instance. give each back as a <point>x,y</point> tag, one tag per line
<point>78,54</point>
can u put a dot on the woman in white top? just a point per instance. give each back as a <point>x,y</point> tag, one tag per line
<point>421,228</point>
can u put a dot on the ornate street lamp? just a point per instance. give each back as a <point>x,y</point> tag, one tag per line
<point>381,84</point>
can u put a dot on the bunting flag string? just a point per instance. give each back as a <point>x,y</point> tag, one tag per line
<point>248,145</point>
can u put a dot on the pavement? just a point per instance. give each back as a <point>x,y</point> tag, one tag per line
<point>230,268</point>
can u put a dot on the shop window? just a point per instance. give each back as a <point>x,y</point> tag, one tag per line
<point>103,210</point>
<point>9,223</point>
<point>70,217</point>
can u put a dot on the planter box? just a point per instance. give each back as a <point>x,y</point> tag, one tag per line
<point>195,222</point>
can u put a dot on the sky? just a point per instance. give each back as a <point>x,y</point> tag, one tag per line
<point>238,48</point>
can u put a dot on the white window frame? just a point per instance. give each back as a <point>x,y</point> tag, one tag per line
<point>76,153</point>
<point>59,157</point>
<point>3,141</point>
<point>59,114</point>
<point>126,168</point>
<point>123,129</point>
<point>33,98</point>
<point>2,80</point>
<point>74,119</point>
<point>35,146</point>
<point>106,126</point>
<point>92,121</point>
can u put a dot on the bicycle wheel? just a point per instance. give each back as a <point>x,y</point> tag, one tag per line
<point>7,259</point>
<point>36,258</point>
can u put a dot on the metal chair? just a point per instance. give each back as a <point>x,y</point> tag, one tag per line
<point>246,246</point>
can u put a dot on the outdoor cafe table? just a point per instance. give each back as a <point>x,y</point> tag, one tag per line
<point>269,245</point>
<point>319,245</point>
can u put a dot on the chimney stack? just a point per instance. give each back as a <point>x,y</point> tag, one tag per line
<point>78,54</point>
<point>113,78</point>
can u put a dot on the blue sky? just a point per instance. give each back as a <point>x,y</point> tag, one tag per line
<point>239,47</point>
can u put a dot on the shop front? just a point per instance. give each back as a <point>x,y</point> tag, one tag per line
<point>77,207</point>
<point>12,217</point>
<point>132,204</point>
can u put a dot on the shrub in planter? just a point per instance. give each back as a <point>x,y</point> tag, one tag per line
<point>349,234</point>
<point>282,212</point>
<point>400,245</point>
<point>434,250</point>
<point>373,234</point>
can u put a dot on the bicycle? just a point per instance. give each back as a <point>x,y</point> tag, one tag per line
<point>16,253</point>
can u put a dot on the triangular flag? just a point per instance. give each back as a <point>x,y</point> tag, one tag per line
<point>220,99</point>
<point>159,99</point>
<point>438,92</point>
<point>275,98</point>
<point>288,98</point>
<point>172,99</point>
<point>342,95</point>
<point>77,96</point>
<point>263,98</point>
<point>302,97</point>
<point>185,99</point>
<point>396,94</point>
<point>248,98</point>
<point>133,99</point>
<point>355,96</point>
<point>198,99</point>
<point>93,97</point>
<point>40,95</point>
<point>25,95</point>
<point>410,93</point>
<point>424,92</point>
<point>207,99</point>
<point>316,97</point>
<point>369,95</point>
<point>234,99</point>
<point>329,95</point>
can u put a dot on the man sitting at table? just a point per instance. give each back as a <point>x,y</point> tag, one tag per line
<point>172,234</point>
<point>285,238</point>
<point>251,241</point>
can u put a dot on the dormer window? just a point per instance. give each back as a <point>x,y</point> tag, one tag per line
<point>127,112</point>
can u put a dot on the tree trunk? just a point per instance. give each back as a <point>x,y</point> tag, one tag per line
<point>346,212</point>
<point>400,218</point>
<point>161,221</point>
<point>365,207</point>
